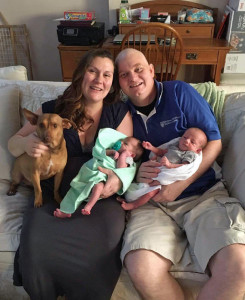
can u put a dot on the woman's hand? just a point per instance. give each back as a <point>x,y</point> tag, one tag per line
<point>33,145</point>
<point>113,183</point>
<point>147,171</point>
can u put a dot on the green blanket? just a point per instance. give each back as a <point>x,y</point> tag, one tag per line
<point>89,174</point>
<point>214,97</point>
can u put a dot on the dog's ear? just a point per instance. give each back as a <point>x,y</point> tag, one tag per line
<point>30,116</point>
<point>68,124</point>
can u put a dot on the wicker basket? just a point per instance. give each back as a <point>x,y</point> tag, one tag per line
<point>14,46</point>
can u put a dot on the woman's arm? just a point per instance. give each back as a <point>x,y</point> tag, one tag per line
<point>172,191</point>
<point>113,183</point>
<point>126,126</point>
<point>25,140</point>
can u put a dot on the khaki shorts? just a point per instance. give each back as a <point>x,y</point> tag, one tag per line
<point>189,231</point>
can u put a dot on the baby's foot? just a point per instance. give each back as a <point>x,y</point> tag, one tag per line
<point>85,212</point>
<point>127,206</point>
<point>120,199</point>
<point>60,214</point>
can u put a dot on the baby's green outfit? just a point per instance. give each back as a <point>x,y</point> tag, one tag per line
<point>89,175</point>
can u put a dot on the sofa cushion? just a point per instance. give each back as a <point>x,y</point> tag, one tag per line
<point>13,73</point>
<point>12,209</point>
<point>9,125</point>
<point>234,157</point>
<point>7,289</point>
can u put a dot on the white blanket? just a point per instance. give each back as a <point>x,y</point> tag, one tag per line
<point>165,177</point>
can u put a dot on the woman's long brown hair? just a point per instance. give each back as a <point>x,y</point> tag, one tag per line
<point>70,105</point>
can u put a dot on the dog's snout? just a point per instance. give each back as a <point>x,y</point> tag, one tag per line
<point>47,139</point>
<point>50,130</point>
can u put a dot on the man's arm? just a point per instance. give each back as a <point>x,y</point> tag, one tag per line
<point>172,191</point>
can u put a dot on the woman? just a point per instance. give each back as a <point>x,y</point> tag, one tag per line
<point>78,257</point>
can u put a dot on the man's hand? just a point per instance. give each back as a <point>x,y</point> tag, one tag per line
<point>113,183</point>
<point>147,171</point>
<point>169,193</point>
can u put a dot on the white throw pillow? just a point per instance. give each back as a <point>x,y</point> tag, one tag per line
<point>33,94</point>
<point>9,125</point>
<point>14,73</point>
<point>234,161</point>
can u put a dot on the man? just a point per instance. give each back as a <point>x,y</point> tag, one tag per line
<point>191,224</point>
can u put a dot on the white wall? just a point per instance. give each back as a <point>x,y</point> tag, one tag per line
<point>38,15</point>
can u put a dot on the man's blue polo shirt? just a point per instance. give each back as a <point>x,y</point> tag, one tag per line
<point>178,107</point>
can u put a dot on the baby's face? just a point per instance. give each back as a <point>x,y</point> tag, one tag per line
<point>129,144</point>
<point>190,141</point>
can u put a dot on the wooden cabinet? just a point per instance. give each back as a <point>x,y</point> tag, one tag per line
<point>197,51</point>
<point>186,30</point>
<point>195,30</point>
<point>70,56</point>
<point>199,45</point>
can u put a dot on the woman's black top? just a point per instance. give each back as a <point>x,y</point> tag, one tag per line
<point>80,256</point>
<point>112,116</point>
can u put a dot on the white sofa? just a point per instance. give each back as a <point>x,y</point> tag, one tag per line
<point>15,95</point>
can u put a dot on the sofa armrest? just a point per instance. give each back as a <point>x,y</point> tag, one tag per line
<point>233,136</point>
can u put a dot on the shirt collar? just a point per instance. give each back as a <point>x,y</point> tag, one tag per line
<point>159,87</point>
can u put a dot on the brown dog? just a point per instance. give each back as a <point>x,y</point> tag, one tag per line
<point>50,163</point>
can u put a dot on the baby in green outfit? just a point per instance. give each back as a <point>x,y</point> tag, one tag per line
<point>124,153</point>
